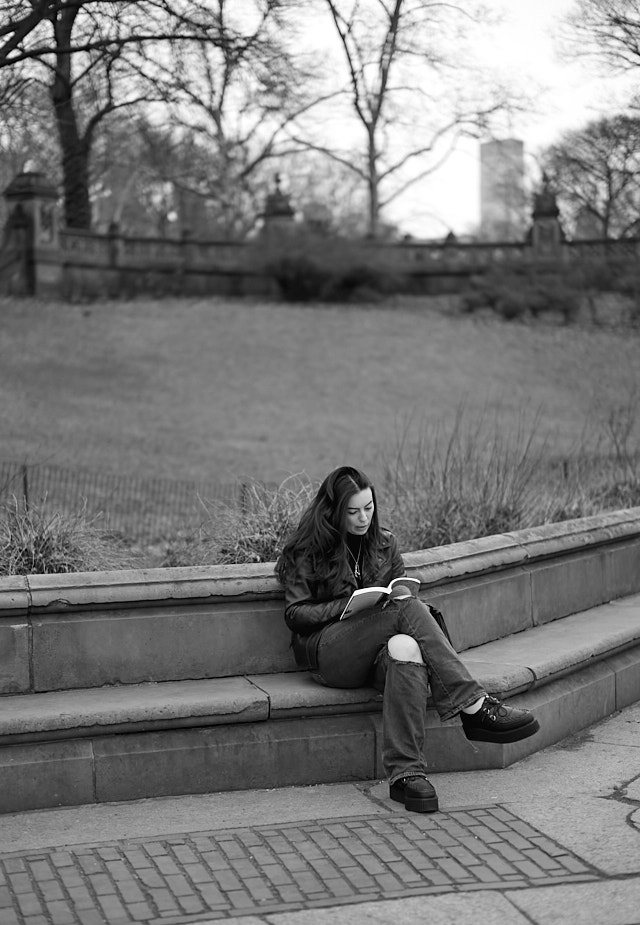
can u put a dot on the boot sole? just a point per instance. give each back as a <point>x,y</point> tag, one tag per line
<point>509,735</point>
<point>414,804</point>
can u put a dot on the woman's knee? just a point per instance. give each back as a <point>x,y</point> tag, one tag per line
<point>404,648</point>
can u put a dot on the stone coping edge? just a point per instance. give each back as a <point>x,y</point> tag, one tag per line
<point>23,595</point>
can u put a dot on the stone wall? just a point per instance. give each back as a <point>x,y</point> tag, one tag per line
<point>40,258</point>
<point>90,629</point>
<point>128,685</point>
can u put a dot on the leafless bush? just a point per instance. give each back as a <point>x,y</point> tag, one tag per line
<point>253,531</point>
<point>36,541</point>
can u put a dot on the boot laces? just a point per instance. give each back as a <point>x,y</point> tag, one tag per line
<point>493,706</point>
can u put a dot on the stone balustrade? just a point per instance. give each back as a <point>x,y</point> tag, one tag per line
<point>42,258</point>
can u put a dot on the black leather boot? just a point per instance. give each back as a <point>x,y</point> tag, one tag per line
<point>417,794</point>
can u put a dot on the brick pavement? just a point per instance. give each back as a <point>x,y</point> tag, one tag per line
<point>275,868</point>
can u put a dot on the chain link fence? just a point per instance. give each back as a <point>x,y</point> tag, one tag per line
<point>141,509</point>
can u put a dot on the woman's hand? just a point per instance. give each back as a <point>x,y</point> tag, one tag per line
<point>400,593</point>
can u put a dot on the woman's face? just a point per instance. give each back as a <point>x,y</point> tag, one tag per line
<point>360,509</point>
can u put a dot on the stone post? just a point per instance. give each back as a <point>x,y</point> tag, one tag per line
<point>278,237</point>
<point>546,233</point>
<point>278,216</point>
<point>115,244</point>
<point>31,247</point>
<point>15,263</point>
<point>187,257</point>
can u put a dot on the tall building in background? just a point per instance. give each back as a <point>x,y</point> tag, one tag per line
<point>502,195</point>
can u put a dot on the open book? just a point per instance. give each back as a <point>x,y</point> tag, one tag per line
<point>364,598</point>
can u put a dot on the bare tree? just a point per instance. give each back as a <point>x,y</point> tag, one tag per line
<point>328,194</point>
<point>99,57</point>
<point>19,23</point>
<point>608,29</point>
<point>77,50</point>
<point>25,36</point>
<point>596,171</point>
<point>233,102</point>
<point>26,125</point>
<point>402,91</point>
<point>14,83</point>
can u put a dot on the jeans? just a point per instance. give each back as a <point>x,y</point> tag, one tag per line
<point>353,653</point>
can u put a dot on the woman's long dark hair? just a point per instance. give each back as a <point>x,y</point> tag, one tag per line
<point>317,548</point>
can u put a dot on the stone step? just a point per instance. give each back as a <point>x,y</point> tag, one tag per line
<point>268,730</point>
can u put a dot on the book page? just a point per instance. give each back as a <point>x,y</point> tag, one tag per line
<point>362,599</point>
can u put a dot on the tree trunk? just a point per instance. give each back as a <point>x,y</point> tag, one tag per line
<point>372,183</point>
<point>75,164</point>
<point>75,148</point>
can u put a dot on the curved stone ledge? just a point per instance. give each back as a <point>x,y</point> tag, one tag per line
<point>153,587</point>
<point>522,547</point>
<point>240,583</point>
<point>14,595</point>
<point>582,533</point>
<point>459,560</point>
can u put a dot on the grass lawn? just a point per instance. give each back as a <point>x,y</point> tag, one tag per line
<point>215,389</point>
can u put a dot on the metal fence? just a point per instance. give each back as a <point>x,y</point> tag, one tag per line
<point>139,508</point>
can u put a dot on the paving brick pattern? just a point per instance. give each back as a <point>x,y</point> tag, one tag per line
<point>279,868</point>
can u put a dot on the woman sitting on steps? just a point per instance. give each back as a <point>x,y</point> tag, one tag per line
<point>400,646</point>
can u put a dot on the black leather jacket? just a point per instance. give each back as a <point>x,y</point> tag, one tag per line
<point>307,616</point>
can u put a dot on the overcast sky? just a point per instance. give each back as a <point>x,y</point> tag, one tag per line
<point>523,49</point>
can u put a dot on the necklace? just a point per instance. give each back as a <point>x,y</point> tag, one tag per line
<point>356,560</point>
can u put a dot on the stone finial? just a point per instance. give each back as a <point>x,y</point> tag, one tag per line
<point>546,234</point>
<point>545,204</point>
<point>278,204</point>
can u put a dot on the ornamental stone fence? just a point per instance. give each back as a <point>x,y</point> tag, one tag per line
<point>39,257</point>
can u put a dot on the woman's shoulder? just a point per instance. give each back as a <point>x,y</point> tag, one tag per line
<point>387,538</point>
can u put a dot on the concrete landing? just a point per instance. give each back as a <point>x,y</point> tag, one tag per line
<point>554,838</point>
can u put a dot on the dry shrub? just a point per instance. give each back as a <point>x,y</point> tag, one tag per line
<point>253,531</point>
<point>470,481</point>
<point>476,480</point>
<point>36,541</point>
<point>443,486</point>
